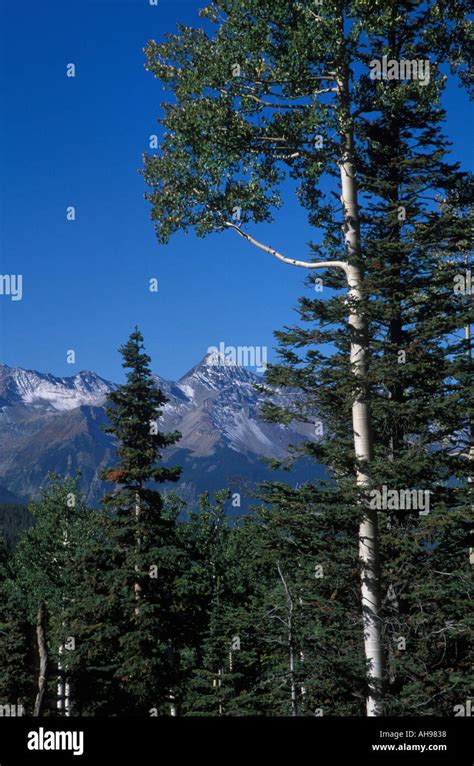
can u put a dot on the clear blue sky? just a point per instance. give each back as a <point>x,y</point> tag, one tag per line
<point>80,142</point>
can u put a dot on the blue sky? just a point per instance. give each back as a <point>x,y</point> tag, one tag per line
<point>79,142</point>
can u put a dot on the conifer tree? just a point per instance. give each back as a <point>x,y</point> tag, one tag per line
<point>17,662</point>
<point>227,587</point>
<point>142,547</point>
<point>95,620</point>
<point>309,539</point>
<point>205,539</point>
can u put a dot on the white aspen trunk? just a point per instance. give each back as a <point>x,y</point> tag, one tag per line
<point>60,688</point>
<point>43,658</point>
<point>173,705</point>
<point>220,674</point>
<point>137,587</point>
<point>294,698</point>
<point>361,422</point>
<point>67,698</point>
<point>290,643</point>
<point>63,689</point>
<point>470,478</point>
<point>368,530</point>
<point>302,687</point>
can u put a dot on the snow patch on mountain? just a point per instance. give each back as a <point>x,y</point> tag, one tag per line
<point>50,423</point>
<point>29,387</point>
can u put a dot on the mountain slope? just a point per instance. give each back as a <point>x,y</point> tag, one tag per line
<point>49,423</point>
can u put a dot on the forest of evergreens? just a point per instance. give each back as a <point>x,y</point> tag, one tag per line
<point>137,613</point>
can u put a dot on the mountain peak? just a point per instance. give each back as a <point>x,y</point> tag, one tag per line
<point>215,358</point>
<point>215,371</point>
<point>49,423</point>
<point>29,387</point>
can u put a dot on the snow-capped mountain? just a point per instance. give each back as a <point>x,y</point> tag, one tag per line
<point>49,423</point>
<point>216,402</point>
<point>28,387</point>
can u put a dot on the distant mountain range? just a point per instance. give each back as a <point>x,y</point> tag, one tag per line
<point>49,423</point>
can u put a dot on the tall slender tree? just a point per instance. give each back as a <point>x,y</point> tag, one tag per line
<point>143,548</point>
<point>280,89</point>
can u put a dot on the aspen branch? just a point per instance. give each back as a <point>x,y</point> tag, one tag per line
<point>329,76</point>
<point>272,138</point>
<point>287,156</point>
<point>319,92</point>
<point>274,106</point>
<point>271,105</point>
<point>291,261</point>
<point>272,93</point>
<point>318,18</point>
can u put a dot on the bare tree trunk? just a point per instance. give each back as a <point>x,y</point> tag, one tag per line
<point>63,689</point>
<point>63,693</point>
<point>60,688</point>
<point>173,706</point>
<point>67,697</point>
<point>137,587</point>
<point>368,530</point>
<point>43,658</point>
<point>470,478</point>
<point>290,641</point>
<point>217,683</point>
<point>361,420</point>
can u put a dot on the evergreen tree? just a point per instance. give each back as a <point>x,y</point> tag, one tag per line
<point>14,520</point>
<point>278,609</point>
<point>226,587</point>
<point>309,538</point>
<point>204,538</point>
<point>95,620</point>
<point>143,556</point>
<point>17,675</point>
